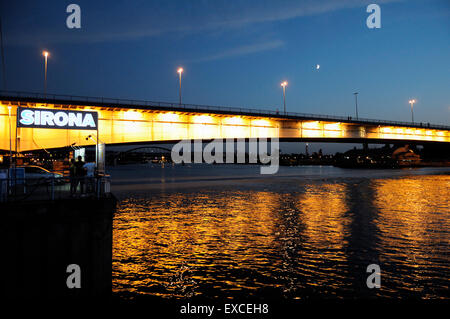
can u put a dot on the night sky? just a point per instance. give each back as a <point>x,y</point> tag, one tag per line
<point>236,53</point>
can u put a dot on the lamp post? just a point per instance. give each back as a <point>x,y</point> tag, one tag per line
<point>98,159</point>
<point>283,85</point>
<point>356,103</point>
<point>180,71</point>
<point>96,148</point>
<point>412,109</point>
<point>45,54</point>
<point>10,137</point>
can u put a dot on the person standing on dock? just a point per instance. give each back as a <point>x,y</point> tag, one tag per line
<point>80,173</point>
<point>72,177</point>
<point>89,178</point>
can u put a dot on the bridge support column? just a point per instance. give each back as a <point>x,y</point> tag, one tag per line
<point>436,152</point>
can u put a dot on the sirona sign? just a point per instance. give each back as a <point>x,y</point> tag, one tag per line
<point>61,119</point>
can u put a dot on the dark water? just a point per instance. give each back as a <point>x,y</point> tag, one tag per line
<point>307,232</point>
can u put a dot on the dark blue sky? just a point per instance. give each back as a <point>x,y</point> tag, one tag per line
<point>237,52</point>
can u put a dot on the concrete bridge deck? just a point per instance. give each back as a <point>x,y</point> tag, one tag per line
<point>133,121</point>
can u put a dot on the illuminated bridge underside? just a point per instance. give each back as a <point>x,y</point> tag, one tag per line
<point>119,124</point>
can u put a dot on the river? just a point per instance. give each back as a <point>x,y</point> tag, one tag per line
<point>225,232</point>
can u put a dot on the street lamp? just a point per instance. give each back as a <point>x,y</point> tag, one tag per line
<point>45,54</point>
<point>412,107</point>
<point>356,103</point>
<point>96,140</point>
<point>284,84</point>
<point>99,156</point>
<point>10,136</point>
<point>180,71</point>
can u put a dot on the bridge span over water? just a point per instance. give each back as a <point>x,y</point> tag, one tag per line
<point>131,121</point>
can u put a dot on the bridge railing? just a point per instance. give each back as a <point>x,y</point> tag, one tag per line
<point>53,188</point>
<point>198,107</point>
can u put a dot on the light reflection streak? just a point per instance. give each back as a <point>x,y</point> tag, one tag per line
<point>226,242</point>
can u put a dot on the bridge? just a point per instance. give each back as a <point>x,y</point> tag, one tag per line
<point>131,121</point>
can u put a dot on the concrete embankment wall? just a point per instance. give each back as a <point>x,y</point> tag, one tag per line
<point>40,239</point>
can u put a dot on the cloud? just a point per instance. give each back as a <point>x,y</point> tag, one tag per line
<point>243,50</point>
<point>250,12</point>
<point>160,18</point>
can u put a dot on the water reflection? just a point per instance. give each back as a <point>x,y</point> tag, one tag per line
<point>414,233</point>
<point>291,238</point>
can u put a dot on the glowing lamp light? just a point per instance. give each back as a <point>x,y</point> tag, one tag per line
<point>311,125</point>
<point>233,121</point>
<point>261,123</point>
<point>169,117</point>
<point>203,119</point>
<point>180,70</point>
<point>332,126</point>
<point>132,116</point>
<point>283,84</point>
<point>45,53</point>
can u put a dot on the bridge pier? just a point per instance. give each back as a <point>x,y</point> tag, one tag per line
<point>436,152</point>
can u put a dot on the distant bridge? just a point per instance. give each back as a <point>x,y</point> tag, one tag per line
<point>134,122</point>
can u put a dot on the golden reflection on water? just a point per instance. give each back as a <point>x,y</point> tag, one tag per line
<point>183,232</point>
<point>290,240</point>
<point>414,224</point>
<point>324,207</point>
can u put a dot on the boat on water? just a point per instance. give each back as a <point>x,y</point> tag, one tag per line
<point>380,158</point>
<point>406,157</point>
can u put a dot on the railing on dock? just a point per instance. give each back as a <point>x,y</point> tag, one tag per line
<point>53,188</point>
